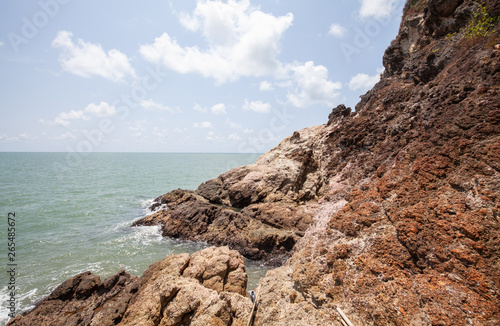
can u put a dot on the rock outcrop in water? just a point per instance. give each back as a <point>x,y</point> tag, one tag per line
<point>258,209</point>
<point>390,214</point>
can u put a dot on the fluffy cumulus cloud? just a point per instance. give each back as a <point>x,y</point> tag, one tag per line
<point>337,30</point>
<point>64,118</point>
<point>377,8</point>
<point>151,105</point>
<point>241,41</point>
<point>364,81</point>
<point>219,109</point>
<point>313,86</point>
<point>87,59</point>
<point>257,106</point>
<point>100,110</point>
<point>73,115</point>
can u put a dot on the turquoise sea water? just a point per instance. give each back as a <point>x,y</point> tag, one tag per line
<point>75,215</point>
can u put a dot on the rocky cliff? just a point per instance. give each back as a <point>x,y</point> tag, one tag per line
<point>389,214</point>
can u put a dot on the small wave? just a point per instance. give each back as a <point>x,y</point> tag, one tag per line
<point>146,202</point>
<point>146,209</point>
<point>4,311</point>
<point>20,307</point>
<point>143,235</point>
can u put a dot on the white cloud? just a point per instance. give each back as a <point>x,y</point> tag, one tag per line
<point>65,136</point>
<point>241,41</point>
<point>266,86</point>
<point>189,22</point>
<point>363,81</point>
<point>234,138</point>
<point>210,136</point>
<point>21,137</point>
<point>60,122</point>
<point>313,86</point>
<point>219,109</point>
<point>200,108</point>
<point>377,8</point>
<point>233,125</point>
<point>1,44</point>
<point>137,125</point>
<point>73,115</point>
<point>101,110</point>
<point>257,106</point>
<point>87,59</point>
<point>248,131</point>
<point>285,84</point>
<point>151,105</point>
<point>161,134</point>
<point>62,118</point>
<point>180,130</point>
<point>205,124</point>
<point>337,30</point>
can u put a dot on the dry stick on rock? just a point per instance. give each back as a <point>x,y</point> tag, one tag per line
<point>344,317</point>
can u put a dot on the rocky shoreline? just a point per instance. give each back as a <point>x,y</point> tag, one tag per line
<point>390,213</point>
<point>207,287</point>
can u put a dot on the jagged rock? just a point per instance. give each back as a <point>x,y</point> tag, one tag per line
<point>264,231</point>
<point>337,113</point>
<point>289,172</point>
<point>206,288</point>
<point>84,300</point>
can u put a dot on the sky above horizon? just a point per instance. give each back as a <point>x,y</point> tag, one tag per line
<point>182,76</point>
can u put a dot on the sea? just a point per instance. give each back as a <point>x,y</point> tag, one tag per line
<point>64,214</point>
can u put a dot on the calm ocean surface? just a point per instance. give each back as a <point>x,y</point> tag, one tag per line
<point>74,214</point>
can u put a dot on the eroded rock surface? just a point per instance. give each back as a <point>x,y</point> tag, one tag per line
<point>261,231</point>
<point>205,288</point>
<point>408,230</point>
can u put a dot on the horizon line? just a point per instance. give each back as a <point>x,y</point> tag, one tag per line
<point>121,152</point>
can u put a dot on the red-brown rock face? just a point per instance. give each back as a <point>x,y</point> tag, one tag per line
<point>418,168</point>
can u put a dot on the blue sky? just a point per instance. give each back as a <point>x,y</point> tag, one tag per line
<point>182,76</point>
